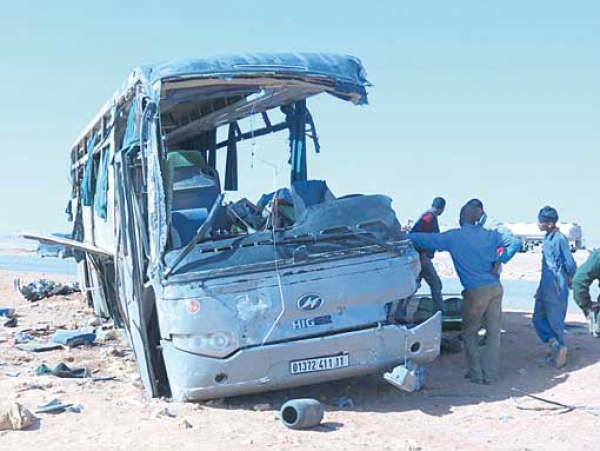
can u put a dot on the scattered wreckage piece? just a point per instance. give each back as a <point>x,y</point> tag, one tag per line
<point>409,377</point>
<point>15,417</point>
<point>69,242</point>
<point>23,337</point>
<point>37,346</point>
<point>73,338</point>
<point>185,424</point>
<point>162,412</point>
<point>55,406</point>
<point>12,322</point>
<point>63,371</point>
<point>562,408</point>
<point>44,288</point>
<point>10,319</point>
<point>7,312</point>
<point>26,387</point>
<point>60,339</point>
<point>302,413</point>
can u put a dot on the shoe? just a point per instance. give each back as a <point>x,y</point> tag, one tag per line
<point>469,375</point>
<point>560,360</point>
<point>550,355</point>
<point>554,352</point>
<point>489,380</point>
<point>544,361</point>
<point>554,347</point>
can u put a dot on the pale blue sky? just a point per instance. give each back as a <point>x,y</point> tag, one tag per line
<point>496,100</point>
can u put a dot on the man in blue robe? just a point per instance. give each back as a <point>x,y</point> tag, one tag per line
<point>551,298</point>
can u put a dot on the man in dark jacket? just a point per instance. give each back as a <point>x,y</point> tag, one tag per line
<point>584,277</point>
<point>428,223</point>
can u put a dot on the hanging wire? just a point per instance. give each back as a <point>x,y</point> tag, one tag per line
<point>277,272</point>
<point>274,219</point>
<point>253,143</point>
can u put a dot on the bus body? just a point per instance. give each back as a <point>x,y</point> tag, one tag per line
<point>226,298</point>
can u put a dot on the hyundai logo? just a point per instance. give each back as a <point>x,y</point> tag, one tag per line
<point>310,302</point>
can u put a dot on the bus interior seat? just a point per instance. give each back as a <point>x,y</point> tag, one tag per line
<point>195,188</point>
<point>308,193</point>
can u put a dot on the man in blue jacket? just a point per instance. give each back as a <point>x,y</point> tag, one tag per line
<point>494,224</point>
<point>551,297</point>
<point>474,251</point>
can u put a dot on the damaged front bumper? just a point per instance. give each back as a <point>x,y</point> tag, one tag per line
<point>263,368</point>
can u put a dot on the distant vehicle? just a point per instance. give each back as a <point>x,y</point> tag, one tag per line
<point>55,250</point>
<point>532,236</point>
<point>227,298</point>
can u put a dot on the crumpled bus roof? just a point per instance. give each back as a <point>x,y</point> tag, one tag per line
<point>347,72</point>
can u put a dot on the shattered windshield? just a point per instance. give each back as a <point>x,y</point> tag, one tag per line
<point>327,229</point>
<point>202,126</point>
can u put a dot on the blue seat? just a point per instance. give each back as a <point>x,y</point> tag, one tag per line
<point>308,193</point>
<point>185,224</point>
<point>195,188</point>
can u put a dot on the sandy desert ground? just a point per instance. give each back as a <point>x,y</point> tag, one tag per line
<point>450,413</point>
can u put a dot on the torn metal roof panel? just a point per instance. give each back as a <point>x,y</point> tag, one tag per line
<point>346,72</point>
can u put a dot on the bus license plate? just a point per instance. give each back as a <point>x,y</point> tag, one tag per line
<point>319,364</point>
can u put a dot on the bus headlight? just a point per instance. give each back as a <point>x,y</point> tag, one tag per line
<point>216,344</point>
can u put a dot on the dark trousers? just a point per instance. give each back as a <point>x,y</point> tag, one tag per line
<point>430,275</point>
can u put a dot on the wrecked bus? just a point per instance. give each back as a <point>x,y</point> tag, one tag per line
<point>222,297</point>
